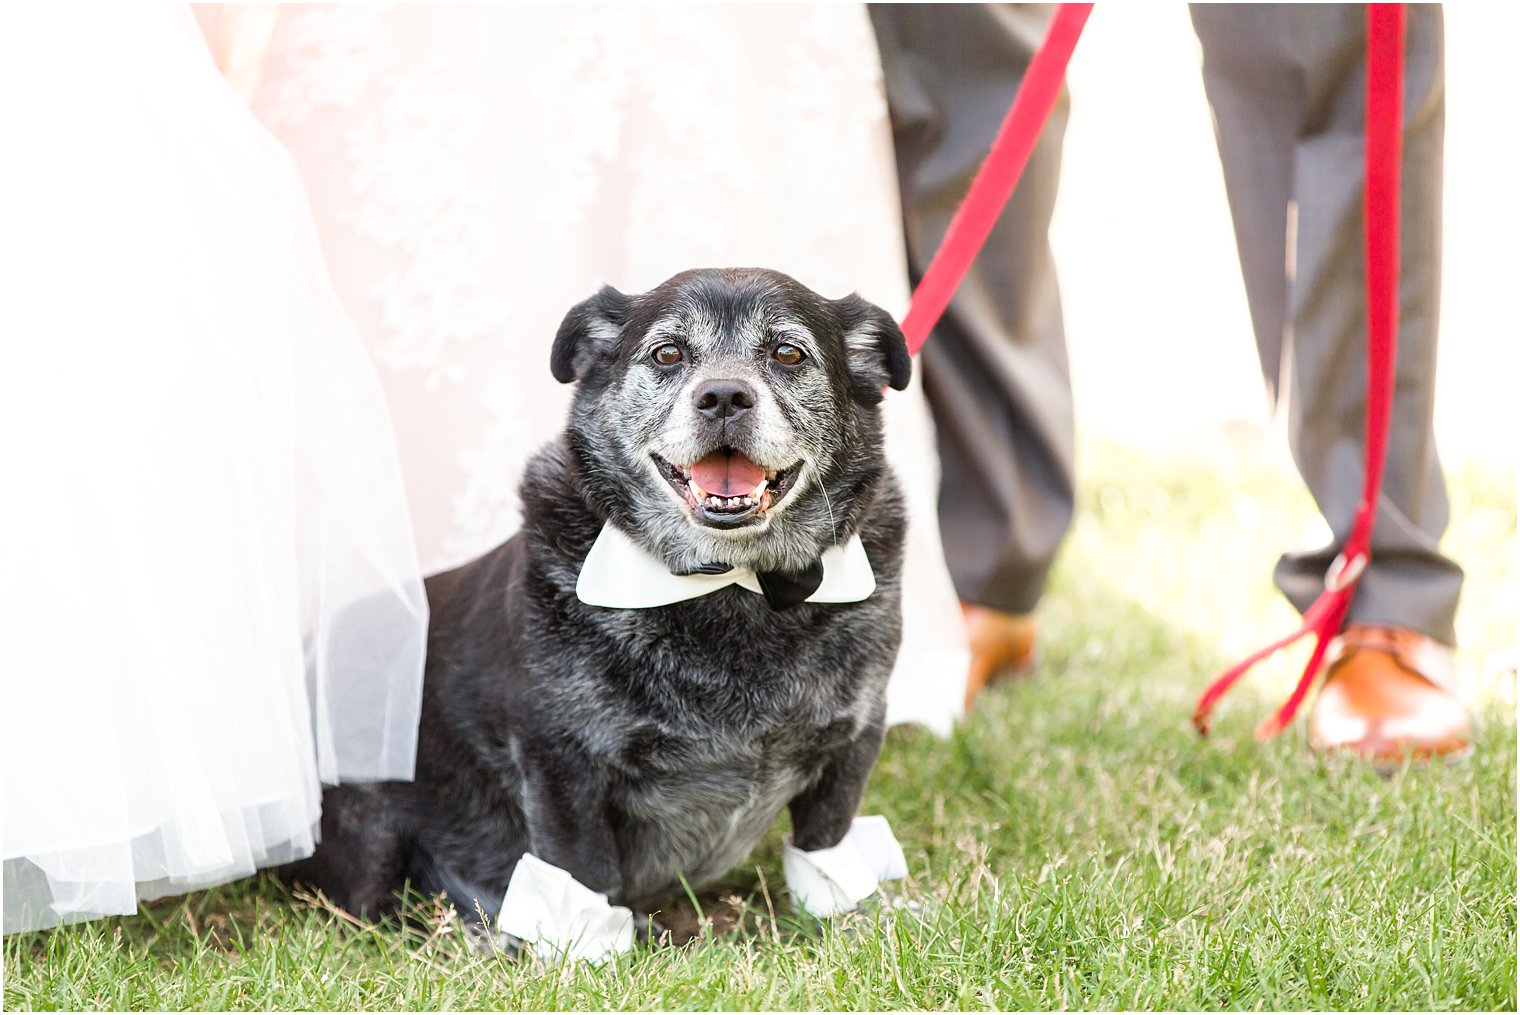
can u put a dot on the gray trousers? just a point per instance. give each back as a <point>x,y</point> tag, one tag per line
<point>1286,84</point>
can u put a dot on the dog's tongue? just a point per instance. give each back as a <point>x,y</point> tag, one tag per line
<point>727,474</point>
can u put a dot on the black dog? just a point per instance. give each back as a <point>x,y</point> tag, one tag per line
<point>727,419</point>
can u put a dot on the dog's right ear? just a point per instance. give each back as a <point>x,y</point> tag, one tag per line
<point>590,331</point>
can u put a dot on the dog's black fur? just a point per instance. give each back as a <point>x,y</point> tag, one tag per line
<point>636,747</point>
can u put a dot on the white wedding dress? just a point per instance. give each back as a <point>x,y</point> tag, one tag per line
<point>478,170</point>
<point>209,595</point>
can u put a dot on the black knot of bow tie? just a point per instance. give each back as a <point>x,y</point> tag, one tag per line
<point>782,589</point>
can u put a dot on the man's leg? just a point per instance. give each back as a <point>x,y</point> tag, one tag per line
<point>995,370</point>
<point>1287,85</point>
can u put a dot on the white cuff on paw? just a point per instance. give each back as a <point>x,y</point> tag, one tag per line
<point>827,882</point>
<point>561,918</point>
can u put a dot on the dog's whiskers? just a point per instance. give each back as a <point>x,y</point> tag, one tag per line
<point>833,526</point>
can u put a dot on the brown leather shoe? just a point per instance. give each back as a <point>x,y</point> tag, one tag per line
<point>1387,697</point>
<point>1002,646</point>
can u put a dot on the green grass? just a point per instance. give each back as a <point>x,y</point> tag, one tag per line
<point>1074,845</point>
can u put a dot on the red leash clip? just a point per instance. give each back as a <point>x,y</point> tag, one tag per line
<point>1342,574</point>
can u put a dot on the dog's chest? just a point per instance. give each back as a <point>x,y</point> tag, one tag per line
<point>695,808</point>
<point>736,736</point>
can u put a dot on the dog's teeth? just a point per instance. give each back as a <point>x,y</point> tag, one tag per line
<point>717,502</point>
<point>759,489</point>
<point>696,491</point>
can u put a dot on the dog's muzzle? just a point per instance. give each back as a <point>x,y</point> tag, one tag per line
<point>726,489</point>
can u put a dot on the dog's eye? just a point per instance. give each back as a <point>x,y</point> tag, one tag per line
<point>667,355</point>
<point>789,355</point>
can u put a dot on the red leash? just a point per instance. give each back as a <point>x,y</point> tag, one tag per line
<point>998,176</point>
<point>1324,619</point>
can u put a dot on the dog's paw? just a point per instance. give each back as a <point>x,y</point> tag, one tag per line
<point>832,881</point>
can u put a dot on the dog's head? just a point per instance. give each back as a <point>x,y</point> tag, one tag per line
<point>730,415</point>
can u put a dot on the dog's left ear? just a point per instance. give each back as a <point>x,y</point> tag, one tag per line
<point>589,332</point>
<point>875,349</point>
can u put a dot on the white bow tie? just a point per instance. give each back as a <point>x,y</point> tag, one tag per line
<point>621,574</point>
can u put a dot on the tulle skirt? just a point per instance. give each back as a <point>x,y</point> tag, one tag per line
<point>209,595</point>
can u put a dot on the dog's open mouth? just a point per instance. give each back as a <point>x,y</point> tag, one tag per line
<point>726,488</point>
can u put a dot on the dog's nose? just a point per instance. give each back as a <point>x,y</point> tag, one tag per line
<point>724,399</point>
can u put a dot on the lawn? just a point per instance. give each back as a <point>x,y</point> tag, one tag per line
<point>1073,845</point>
